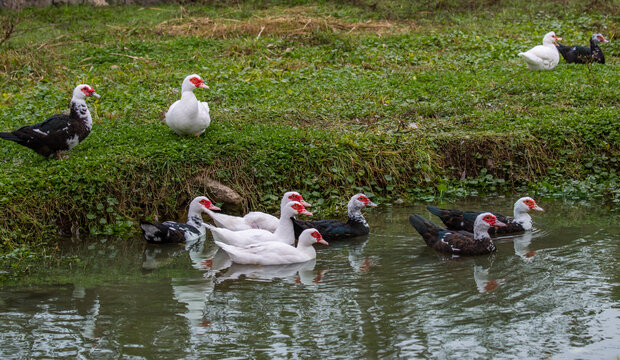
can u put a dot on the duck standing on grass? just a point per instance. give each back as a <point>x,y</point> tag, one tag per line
<point>189,116</point>
<point>59,133</point>
<point>584,54</point>
<point>545,56</point>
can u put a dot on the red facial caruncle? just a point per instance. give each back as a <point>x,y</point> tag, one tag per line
<point>317,235</point>
<point>364,199</point>
<point>490,219</point>
<point>601,38</point>
<point>298,197</point>
<point>88,91</point>
<point>530,203</point>
<point>198,82</point>
<point>208,204</point>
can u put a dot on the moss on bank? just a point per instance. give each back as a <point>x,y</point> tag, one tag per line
<point>324,98</point>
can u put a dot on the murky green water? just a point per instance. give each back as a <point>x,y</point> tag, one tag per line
<point>551,293</point>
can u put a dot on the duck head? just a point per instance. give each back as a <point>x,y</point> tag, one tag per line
<point>359,201</point>
<point>551,39</point>
<point>201,203</point>
<point>192,82</point>
<point>83,91</point>
<point>294,196</point>
<point>599,38</point>
<point>311,236</point>
<point>294,208</point>
<point>482,224</point>
<point>525,204</point>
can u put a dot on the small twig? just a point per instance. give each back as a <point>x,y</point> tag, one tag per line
<point>136,58</point>
<point>260,32</point>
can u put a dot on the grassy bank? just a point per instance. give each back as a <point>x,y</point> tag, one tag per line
<point>395,100</point>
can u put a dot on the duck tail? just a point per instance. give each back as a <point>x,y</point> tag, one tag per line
<point>434,210</point>
<point>9,136</point>
<point>424,227</point>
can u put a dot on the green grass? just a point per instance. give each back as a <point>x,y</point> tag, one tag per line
<point>323,101</point>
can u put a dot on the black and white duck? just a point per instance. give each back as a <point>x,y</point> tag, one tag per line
<point>458,242</point>
<point>59,133</point>
<point>356,224</point>
<point>460,220</point>
<point>176,232</point>
<point>584,54</point>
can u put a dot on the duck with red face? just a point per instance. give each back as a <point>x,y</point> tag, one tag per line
<point>59,133</point>
<point>584,54</point>
<point>459,220</point>
<point>356,224</point>
<point>458,242</point>
<point>176,232</point>
<point>189,116</point>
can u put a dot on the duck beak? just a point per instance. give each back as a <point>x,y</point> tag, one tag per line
<point>323,242</point>
<point>305,203</point>
<point>499,223</point>
<point>203,85</point>
<point>213,207</point>
<point>537,208</point>
<point>371,204</point>
<point>95,94</point>
<point>306,212</point>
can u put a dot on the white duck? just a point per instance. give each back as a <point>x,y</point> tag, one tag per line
<point>189,116</point>
<point>284,233</point>
<point>255,219</point>
<point>545,56</point>
<point>275,252</point>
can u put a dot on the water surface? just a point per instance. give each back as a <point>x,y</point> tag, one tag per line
<point>549,293</point>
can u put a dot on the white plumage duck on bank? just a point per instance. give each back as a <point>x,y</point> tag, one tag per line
<point>255,219</point>
<point>276,252</point>
<point>284,233</point>
<point>545,56</point>
<point>189,116</point>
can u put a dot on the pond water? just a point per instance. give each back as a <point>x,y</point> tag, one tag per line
<point>550,293</point>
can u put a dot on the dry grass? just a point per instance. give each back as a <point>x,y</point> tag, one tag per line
<point>291,22</point>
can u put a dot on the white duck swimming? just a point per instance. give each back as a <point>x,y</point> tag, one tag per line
<point>189,116</point>
<point>545,56</point>
<point>284,233</point>
<point>275,252</point>
<point>255,219</point>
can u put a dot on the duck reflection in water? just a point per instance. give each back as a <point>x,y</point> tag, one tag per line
<point>300,273</point>
<point>484,282</point>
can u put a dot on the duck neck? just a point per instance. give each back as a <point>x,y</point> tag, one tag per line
<point>481,232</point>
<point>195,219</point>
<point>307,249</point>
<point>523,217</point>
<point>285,228</point>
<point>355,215</point>
<point>79,111</point>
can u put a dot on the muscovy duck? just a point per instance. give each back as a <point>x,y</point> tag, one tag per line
<point>356,225</point>
<point>545,56</point>
<point>255,219</point>
<point>284,233</point>
<point>276,252</point>
<point>584,54</point>
<point>175,232</point>
<point>59,133</point>
<point>459,220</point>
<point>189,116</point>
<point>458,242</point>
